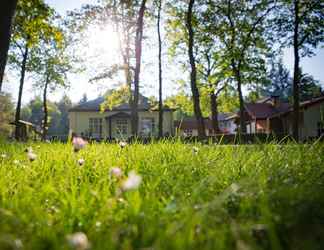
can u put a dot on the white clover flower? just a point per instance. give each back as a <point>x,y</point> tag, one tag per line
<point>31,156</point>
<point>132,182</point>
<point>78,143</point>
<point>116,172</point>
<point>78,241</point>
<point>81,162</point>
<point>122,144</point>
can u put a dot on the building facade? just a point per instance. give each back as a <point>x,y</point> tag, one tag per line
<point>87,120</point>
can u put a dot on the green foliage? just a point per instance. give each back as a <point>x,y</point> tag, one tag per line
<point>6,114</point>
<point>222,197</point>
<point>31,25</point>
<point>182,103</point>
<point>58,115</point>
<point>116,97</point>
<point>310,24</point>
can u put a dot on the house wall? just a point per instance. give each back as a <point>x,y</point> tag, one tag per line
<point>228,126</point>
<point>262,126</point>
<point>312,116</point>
<point>79,122</point>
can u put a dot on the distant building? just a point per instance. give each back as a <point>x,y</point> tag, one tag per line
<point>187,126</point>
<point>87,120</point>
<point>270,115</point>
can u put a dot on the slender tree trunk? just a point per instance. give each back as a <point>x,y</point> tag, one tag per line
<point>21,86</point>
<point>238,78</point>
<point>138,56</point>
<point>160,70</point>
<point>45,122</point>
<point>193,74</point>
<point>214,112</point>
<point>296,73</point>
<point>7,12</point>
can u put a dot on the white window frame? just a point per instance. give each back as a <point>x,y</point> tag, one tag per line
<point>95,126</point>
<point>147,125</point>
<point>188,132</point>
<point>122,126</point>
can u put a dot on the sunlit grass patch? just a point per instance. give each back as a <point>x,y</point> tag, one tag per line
<point>162,196</point>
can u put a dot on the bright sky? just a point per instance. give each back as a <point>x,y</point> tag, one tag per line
<point>103,45</point>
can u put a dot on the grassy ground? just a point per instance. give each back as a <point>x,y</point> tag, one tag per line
<point>220,197</point>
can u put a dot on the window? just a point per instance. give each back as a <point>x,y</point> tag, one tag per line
<point>122,126</point>
<point>187,132</point>
<point>95,126</point>
<point>148,126</point>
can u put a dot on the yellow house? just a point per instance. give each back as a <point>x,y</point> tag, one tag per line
<point>86,120</point>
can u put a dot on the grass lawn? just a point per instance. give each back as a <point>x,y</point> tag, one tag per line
<point>212,197</point>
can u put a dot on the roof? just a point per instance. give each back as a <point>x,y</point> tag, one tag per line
<point>304,104</point>
<point>224,116</point>
<point>191,122</point>
<point>311,102</point>
<point>265,110</point>
<point>23,122</point>
<point>94,105</point>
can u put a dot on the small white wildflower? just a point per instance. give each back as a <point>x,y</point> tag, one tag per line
<point>16,162</point>
<point>78,143</point>
<point>122,144</point>
<point>78,241</point>
<point>3,156</point>
<point>132,182</point>
<point>116,172</point>
<point>81,162</point>
<point>31,156</point>
<point>98,224</point>
<point>18,244</point>
<point>234,187</point>
<point>29,149</point>
<point>195,150</point>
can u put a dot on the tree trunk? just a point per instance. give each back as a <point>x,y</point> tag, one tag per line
<point>193,74</point>
<point>21,86</point>
<point>214,112</point>
<point>160,71</point>
<point>138,56</point>
<point>238,78</point>
<point>45,122</point>
<point>7,12</point>
<point>296,73</point>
